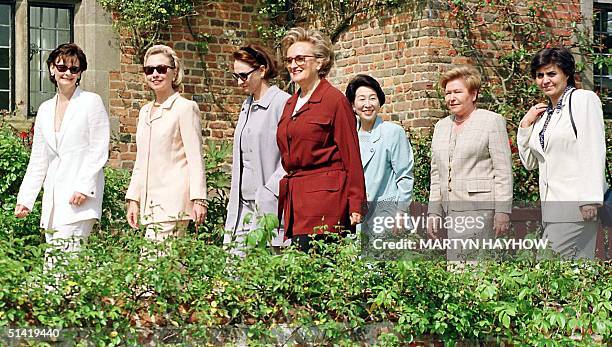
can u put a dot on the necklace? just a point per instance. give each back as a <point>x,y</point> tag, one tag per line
<point>156,104</point>
<point>459,121</point>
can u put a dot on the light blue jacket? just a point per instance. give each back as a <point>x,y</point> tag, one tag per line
<point>387,164</point>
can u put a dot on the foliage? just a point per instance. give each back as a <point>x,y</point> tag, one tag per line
<point>332,17</point>
<point>218,183</point>
<point>515,31</point>
<point>145,19</point>
<point>117,296</point>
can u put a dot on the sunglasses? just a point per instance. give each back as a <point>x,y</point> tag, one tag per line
<point>243,76</point>
<point>63,68</point>
<point>161,69</point>
<point>299,60</point>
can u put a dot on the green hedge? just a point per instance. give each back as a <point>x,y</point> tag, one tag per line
<point>110,289</point>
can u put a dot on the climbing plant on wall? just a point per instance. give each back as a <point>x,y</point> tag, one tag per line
<point>144,20</point>
<point>333,17</point>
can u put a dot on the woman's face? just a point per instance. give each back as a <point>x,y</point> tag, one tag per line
<point>458,98</point>
<point>157,80</point>
<point>304,66</point>
<point>254,76</point>
<point>67,78</point>
<point>551,80</point>
<point>366,104</point>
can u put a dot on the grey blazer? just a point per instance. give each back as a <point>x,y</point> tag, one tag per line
<point>480,170</point>
<point>265,114</point>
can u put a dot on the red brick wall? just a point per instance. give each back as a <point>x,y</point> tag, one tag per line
<point>229,24</point>
<point>406,52</point>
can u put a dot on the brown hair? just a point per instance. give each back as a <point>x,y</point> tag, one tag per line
<point>468,73</point>
<point>256,56</point>
<point>175,61</point>
<point>323,47</point>
<point>67,51</point>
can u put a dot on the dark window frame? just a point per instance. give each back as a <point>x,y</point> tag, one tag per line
<point>597,79</point>
<point>71,9</point>
<point>11,56</point>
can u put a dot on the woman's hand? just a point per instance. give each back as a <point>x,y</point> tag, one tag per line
<point>501,223</point>
<point>21,211</point>
<point>434,224</point>
<point>533,114</point>
<point>77,199</point>
<point>589,212</point>
<point>355,218</point>
<point>132,213</point>
<point>198,214</point>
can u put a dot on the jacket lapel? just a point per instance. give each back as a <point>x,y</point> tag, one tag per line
<point>48,123</point>
<point>72,108</point>
<point>166,105</point>
<point>370,149</point>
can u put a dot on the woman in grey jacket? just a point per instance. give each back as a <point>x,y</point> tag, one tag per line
<point>256,168</point>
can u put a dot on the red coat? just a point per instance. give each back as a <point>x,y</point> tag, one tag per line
<point>320,152</point>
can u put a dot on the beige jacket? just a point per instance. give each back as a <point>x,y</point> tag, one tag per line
<point>169,169</point>
<point>480,170</point>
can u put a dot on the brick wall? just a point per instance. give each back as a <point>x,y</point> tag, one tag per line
<point>229,24</point>
<point>406,52</point>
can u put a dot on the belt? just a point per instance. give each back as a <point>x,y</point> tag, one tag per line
<point>284,189</point>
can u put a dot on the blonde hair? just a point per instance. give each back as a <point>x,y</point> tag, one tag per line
<point>176,62</point>
<point>322,46</point>
<point>468,73</point>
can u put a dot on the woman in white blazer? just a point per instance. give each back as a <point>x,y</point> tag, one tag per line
<point>70,148</point>
<point>168,185</point>
<point>565,139</point>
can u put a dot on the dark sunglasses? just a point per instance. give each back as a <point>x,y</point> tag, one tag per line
<point>161,69</point>
<point>244,75</point>
<point>64,68</point>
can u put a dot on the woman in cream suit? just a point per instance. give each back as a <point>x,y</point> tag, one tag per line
<point>257,168</point>
<point>471,170</point>
<point>565,139</point>
<point>70,148</point>
<point>168,186</point>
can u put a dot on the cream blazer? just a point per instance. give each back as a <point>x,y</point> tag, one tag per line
<point>70,162</point>
<point>571,167</point>
<point>169,168</point>
<point>481,168</point>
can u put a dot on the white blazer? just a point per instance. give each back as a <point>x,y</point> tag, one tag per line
<point>71,164</point>
<point>571,168</point>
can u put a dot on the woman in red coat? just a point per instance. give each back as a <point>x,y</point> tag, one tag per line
<point>324,189</point>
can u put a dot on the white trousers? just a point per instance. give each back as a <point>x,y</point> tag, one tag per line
<point>66,238</point>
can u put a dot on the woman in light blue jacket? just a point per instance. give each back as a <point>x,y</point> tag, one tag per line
<point>386,154</point>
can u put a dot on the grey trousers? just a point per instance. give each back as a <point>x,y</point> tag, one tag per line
<point>572,240</point>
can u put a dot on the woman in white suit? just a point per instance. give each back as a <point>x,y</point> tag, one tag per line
<point>565,139</point>
<point>70,148</point>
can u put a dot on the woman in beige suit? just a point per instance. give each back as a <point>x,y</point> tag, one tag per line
<point>168,185</point>
<point>471,170</point>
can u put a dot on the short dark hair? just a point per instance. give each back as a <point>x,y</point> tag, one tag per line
<point>256,56</point>
<point>64,51</point>
<point>560,56</point>
<point>364,81</point>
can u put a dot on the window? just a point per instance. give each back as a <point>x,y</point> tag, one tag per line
<point>6,57</point>
<point>49,27</point>
<point>603,76</point>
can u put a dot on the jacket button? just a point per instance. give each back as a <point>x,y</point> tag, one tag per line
<point>92,193</point>
<point>372,150</point>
